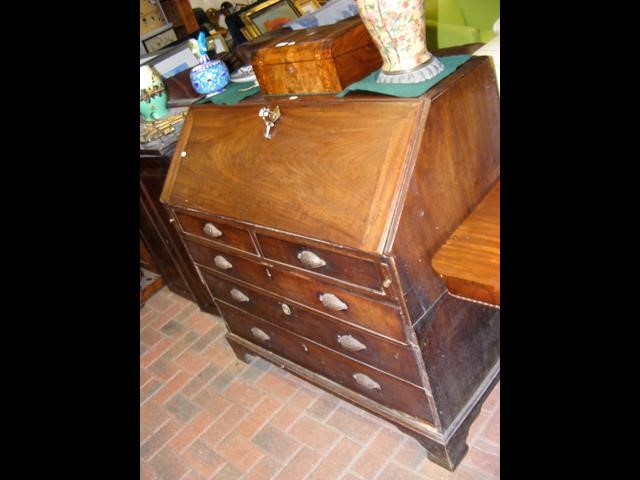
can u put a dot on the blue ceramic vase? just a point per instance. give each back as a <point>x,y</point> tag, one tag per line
<point>209,77</point>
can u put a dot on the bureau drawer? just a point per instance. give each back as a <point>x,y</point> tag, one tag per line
<point>217,232</point>
<point>325,262</point>
<point>372,383</point>
<point>337,302</point>
<point>228,264</point>
<point>390,357</point>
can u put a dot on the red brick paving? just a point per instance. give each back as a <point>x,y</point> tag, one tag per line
<point>207,416</point>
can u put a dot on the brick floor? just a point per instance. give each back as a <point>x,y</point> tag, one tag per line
<point>207,416</point>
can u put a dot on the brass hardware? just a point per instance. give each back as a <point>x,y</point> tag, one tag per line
<point>222,262</point>
<point>269,117</point>
<point>260,334</point>
<point>349,343</point>
<point>238,296</point>
<point>332,302</point>
<point>386,283</point>
<point>286,309</point>
<point>171,220</point>
<point>211,230</point>
<point>310,259</point>
<point>366,382</point>
<point>268,272</point>
<point>305,349</point>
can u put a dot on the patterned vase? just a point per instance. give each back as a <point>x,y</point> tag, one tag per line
<point>397,27</point>
<point>153,94</point>
<point>210,77</point>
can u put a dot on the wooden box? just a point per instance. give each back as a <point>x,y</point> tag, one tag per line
<point>316,243</point>
<point>316,60</point>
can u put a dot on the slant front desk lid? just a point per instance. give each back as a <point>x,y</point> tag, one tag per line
<point>333,170</point>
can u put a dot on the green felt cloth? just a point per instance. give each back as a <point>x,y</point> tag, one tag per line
<point>369,83</point>
<point>232,94</point>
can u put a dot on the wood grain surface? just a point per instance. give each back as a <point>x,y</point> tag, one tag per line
<point>470,259</point>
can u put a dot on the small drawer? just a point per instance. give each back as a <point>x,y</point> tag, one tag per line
<point>353,342</point>
<point>216,231</point>
<point>378,386</point>
<point>228,264</point>
<point>337,302</point>
<point>324,262</point>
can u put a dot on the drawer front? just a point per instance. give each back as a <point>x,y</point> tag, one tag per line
<point>217,232</point>
<point>229,264</point>
<point>353,270</point>
<point>374,384</point>
<point>395,359</point>
<point>326,298</point>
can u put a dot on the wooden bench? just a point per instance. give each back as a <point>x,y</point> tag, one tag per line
<point>469,261</point>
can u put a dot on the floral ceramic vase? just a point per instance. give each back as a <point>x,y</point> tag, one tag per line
<point>153,94</point>
<point>209,76</point>
<point>397,27</point>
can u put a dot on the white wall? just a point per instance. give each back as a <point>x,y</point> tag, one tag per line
<point>205,4</point>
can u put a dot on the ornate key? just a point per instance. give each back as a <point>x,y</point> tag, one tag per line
<point>269,117</point>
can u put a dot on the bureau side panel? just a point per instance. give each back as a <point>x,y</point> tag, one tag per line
<point>458,162</point>
<point>460,344</point>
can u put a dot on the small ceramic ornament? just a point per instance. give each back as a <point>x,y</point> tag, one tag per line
<point>153,94</point>
<point>209,77</point>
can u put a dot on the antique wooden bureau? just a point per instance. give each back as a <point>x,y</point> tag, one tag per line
<point>316,243</point>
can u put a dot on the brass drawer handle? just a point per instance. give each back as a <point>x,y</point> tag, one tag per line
<point>305,349</point>
<point>222,262</point>
<point>332,302</point>
<point>310,259</point>
<point>260,334</point>
<point>211,230</point>
<point>238,296</point>
<point>286,309</point>
<point>349,343</point>
<point>366,382</point>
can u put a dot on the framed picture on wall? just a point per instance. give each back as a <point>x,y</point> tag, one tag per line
<point>306,6</point>
<point>268,16</point>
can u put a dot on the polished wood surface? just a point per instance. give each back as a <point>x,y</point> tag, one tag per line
<point>352,183</point>
<point>328,173</point>
<point>469,261</point>
<point>323,59</point>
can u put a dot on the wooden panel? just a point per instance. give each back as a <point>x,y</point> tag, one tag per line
<point>470,259</point>
<point>342,191</point>
<point>229,235</point>
<point>393,392</point>
<point>382,354</point>
<point>460,343</point>
<point>353,270</point>
<point>458,163</point>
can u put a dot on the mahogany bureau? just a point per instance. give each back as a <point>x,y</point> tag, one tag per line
<point>316,243</point>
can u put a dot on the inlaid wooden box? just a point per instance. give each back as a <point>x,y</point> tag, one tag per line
<point>316,60</point>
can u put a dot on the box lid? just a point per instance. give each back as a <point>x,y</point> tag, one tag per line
<point>332,171</point>
<point>317,43</point>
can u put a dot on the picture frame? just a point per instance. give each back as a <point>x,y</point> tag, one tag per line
<point>306,6</point>
<point>219,43</point>
<point>268,16</point>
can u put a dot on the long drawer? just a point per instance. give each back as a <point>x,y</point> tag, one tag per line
<point>378,386</point>
<point>324,297</point>
<point>354,342</point>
